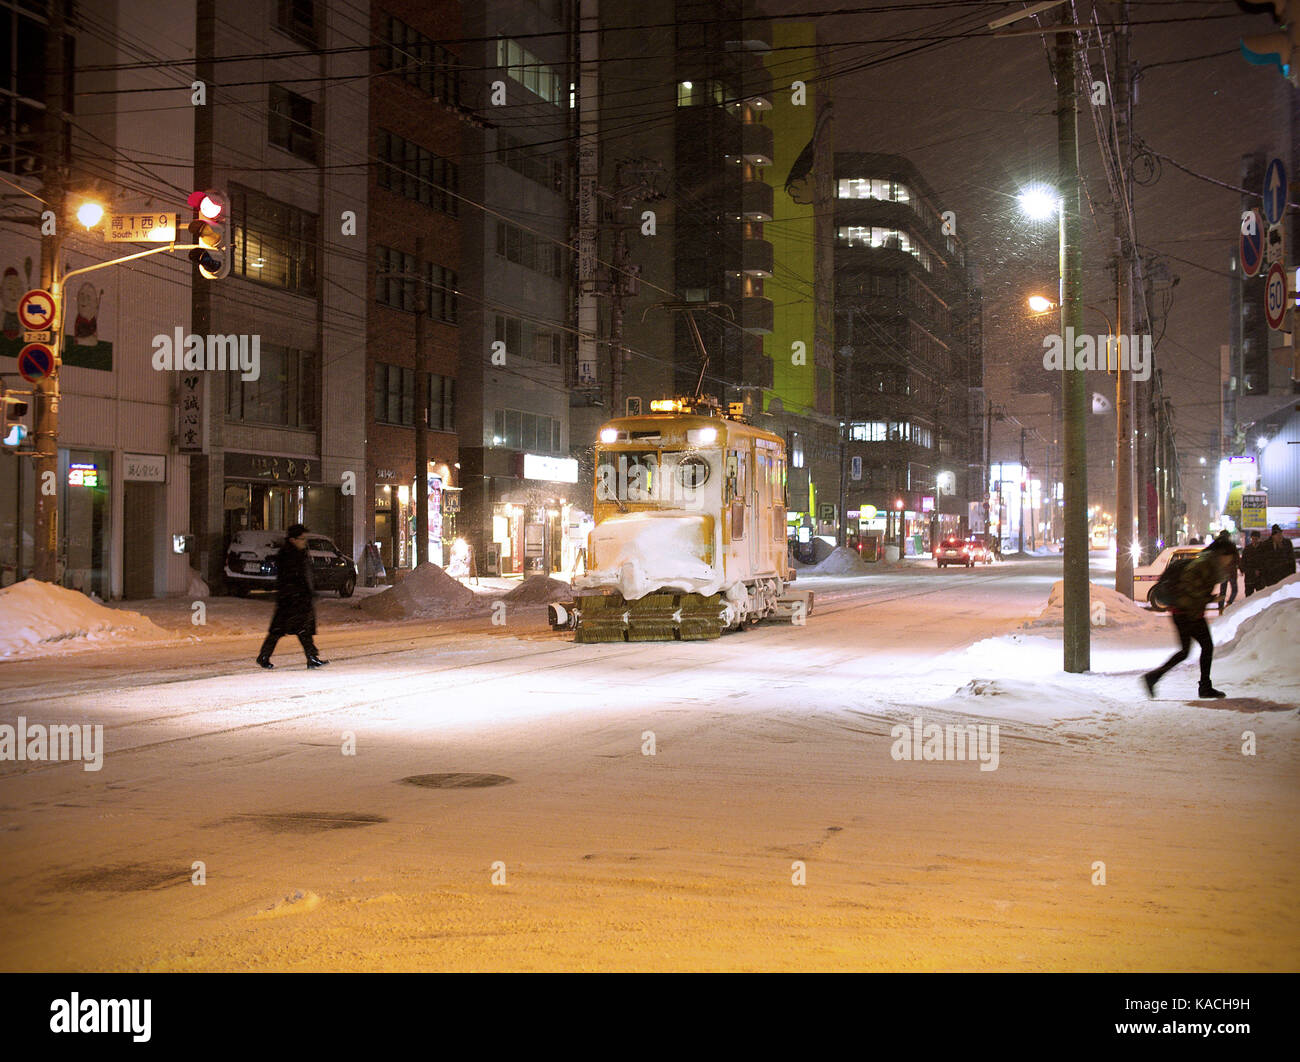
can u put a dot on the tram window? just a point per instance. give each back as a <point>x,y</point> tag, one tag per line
<point>669,478</point>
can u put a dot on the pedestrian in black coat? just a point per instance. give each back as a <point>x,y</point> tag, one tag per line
<point>1252,564</point>
<point>295,608</point>
<point>1230,583</point>
<point>1278,556</point>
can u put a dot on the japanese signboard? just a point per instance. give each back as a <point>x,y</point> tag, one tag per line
<point>153,227</point>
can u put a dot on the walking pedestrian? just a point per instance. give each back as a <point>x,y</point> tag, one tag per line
<point>1196,586</point>
<point>1252,564</point>
<point>1231,581</point>
<point>1278,557</point>
<point>295,609</point>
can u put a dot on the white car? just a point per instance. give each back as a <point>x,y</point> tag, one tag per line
<point>1145,577</point>
<point>251,565</point>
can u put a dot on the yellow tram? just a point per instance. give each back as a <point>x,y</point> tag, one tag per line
<point>690,535</point>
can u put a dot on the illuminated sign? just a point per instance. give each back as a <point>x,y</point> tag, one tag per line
<point>82,475</point>
<point>551,469</point>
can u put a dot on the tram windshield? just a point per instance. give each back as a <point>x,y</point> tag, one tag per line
<point>669,479</point>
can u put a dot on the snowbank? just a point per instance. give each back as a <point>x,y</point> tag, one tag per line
<point>1227,625</point>
<point>1265,647</point>
<point>1107,609</point>
<point>427,591</point>
<point>840,561</point>
<point>539,590</point>
<point>36,615</point>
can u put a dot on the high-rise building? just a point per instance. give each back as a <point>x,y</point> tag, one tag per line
<point>907,322</point>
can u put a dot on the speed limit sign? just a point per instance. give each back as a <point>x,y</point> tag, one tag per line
<point>1275,296</point>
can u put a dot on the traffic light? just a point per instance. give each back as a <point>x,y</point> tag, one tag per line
<point>210,230</point>
<point>1281,48</point>
<point>17,419</point>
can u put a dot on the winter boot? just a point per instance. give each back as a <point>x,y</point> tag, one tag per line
<point>265,661</point>
<point>315,661</point>
<point>1206,691</point>
<point>1149,680</point>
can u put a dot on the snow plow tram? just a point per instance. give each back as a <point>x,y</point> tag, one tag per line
<point>690,535</point>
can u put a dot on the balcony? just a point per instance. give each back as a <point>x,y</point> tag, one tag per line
<point>756,314</point>
<point>756,201</point>
<point>756,143</point>
<point>756,258</point>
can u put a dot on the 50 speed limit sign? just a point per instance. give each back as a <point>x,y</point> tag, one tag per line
<point>1275,296</point>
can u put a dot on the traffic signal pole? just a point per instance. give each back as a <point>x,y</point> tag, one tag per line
<point>46,392</point>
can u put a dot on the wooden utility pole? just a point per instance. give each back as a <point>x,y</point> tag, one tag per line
<point>1074,388</point>
<point>1124,526</point>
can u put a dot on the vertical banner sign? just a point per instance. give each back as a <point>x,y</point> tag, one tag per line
<point>191,434</point>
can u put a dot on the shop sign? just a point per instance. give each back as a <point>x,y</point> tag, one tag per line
<point>385,473</point>
<point>927,503</point>
<point>276,469</point>
<point>1254,510</point>
<point>190,399</point>
<point>83,475</point>
<point>551,469</point>
<point>450,500</point>
<point>145,468</point>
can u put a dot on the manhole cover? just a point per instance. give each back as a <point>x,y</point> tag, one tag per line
<point>457,781</point>
<point>123,877</point>
<point>311,821</point>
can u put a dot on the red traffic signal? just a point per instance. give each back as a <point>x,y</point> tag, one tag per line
<point>209,231</point>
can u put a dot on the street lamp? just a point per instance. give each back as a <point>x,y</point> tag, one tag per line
<point>90,214</point>
<point>1039,202</point>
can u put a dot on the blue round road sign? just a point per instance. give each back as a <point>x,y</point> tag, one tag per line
<point>1252,243</point>
<point>1275,190</point>
<point>35,362</point>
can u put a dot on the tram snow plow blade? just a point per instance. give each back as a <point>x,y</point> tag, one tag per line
<point>665,617</point>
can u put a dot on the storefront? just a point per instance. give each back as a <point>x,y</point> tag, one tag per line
<point>535,526</point>
<point>395,516</point>
<point>266,493</point>
<point>85,520</point>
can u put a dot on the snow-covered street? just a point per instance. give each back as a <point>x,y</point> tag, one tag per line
<point>481,793</point>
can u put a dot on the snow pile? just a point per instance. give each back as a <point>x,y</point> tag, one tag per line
<point>539,590</point>
<point>840,561</point>
<point>1107,609</point>
<point>197,588</point>
<point>1265,647</point>
<point>1023,700</point>
<point>1237,614</point>
<point>34,615</point>
<point>427,591</point>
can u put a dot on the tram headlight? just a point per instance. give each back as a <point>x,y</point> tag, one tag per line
<point>608,435</point>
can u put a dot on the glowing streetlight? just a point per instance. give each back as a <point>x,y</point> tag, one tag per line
<point>1038,201</point>
<point>1041,303</point>
<point>90,214</point>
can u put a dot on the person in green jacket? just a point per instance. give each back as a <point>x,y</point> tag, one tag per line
<point>1197,586</point>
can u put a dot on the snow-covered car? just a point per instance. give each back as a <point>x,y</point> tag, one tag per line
<point>1146,576</point>
<point>250,563</point>
<point>954,550</point>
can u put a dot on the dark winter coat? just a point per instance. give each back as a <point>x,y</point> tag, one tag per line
<point>1252,564</point>
<point>1198,583</point>
<point>1278,560</point>
<point>295,610</point>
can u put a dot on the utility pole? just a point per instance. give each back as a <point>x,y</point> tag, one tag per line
<point>1074,390</point>
<point>1024,488</point>
<point>842,538</point>
<point>421,409</point>
<point>1123,311</point>
<point>46,392</point>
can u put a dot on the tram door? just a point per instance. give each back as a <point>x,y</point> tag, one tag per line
<point>739,510</point>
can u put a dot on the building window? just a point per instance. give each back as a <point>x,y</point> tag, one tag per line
<point>524,67</point>
<point>529,340</point>
<point>301,20</point>
<point>272,241</point>
<point>394,395</point>
<point>284,393</point>
<point>529,250</point>
<point>872,188</point>
<point>546,170</point>
<point>406,169</point>
<point>796,450</point>
<point>442,402</point>
<point>701,93</point>
<point>534,433</point>
<point>22,85</point>
<point>420,61</point>
<point>292,123</point>
<point>397,283</point>
<point>882,236</point>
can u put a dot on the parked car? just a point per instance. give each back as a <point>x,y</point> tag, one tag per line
<point>953,550</point>
<point>1145,577</point>
<point>250,563</point>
